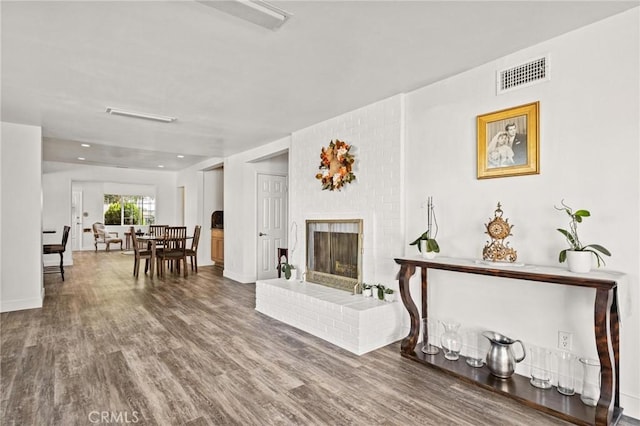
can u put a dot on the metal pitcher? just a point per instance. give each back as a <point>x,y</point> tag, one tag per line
<point>501,360</point>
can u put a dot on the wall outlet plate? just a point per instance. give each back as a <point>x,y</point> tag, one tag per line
<point>565,340</point>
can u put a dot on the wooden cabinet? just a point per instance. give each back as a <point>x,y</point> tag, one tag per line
<point>606,330</point>
<point>217,246</point>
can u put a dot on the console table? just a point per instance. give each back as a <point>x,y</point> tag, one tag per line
<point>606,328</point>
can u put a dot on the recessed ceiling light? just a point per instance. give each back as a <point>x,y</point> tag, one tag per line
<point>86,145</point>
<point>81,158</point>
<point>161,166</point>
<point>180,156</point>
<point>155,117</point>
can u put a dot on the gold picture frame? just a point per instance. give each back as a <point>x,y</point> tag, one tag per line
<point>508,142</point>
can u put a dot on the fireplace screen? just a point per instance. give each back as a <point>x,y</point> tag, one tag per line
<point>334,252</point>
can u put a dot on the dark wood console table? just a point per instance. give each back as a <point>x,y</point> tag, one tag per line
<point>606,327</point>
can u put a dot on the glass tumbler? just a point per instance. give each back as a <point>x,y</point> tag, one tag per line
<point>540,367</point>
<point>430,336</point>
<point>566,378</point>
<point>590,381</point>
<point>475,347</point>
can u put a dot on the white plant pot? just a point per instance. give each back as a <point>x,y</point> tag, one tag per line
<point>366,292</point>
<point>429,254</point>
<point>389,297</point>
<point>579,261</point>
<point>424,253</point>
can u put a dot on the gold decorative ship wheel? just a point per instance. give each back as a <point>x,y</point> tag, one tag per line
<point>498,229</point>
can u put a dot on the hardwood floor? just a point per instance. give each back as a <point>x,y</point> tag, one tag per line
<point>193,351</point>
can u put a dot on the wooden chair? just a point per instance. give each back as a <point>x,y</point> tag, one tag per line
<point>57,248</point>
<point>139,255</point>
<point>158,231</point>
<point>101,236</point>
<point>175,249</point>
<point>192,252</point>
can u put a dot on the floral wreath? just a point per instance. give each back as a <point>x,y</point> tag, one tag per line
<point>335,165</point>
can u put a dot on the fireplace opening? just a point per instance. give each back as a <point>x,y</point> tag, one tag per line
<point>334,253</point>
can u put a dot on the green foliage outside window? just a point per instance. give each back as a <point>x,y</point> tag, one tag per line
<point>132,215</point>
<point>126,210</point>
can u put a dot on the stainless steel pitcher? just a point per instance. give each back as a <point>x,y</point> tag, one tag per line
<point>501,360</point>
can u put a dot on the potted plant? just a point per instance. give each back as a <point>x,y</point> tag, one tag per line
<point>389,295</point>
<point>366,290</point>
<point>578,256</point>
<point>380,291</point>
<point>287,269</point>
<point>427,240</point>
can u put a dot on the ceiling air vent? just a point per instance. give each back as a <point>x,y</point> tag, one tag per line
<point>527,74</point>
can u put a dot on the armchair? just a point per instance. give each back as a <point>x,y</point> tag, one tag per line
<point>102,236</point>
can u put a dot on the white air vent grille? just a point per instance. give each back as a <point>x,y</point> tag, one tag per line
<point>527,74</point>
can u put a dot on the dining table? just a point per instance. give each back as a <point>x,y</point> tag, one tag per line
<point>152,242</point>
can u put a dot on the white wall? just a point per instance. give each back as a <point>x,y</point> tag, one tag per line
<point>240,222</point>
<point>57,183</point>
<point>589,156</point>
<point>21,223</point>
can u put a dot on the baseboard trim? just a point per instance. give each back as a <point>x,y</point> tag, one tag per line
<point>21,304</point>
<point>630,405</point>
<point>237,277</point>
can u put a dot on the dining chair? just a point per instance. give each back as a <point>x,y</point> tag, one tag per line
<point>57,248</point>
<point>102,236</point>
<point>175,249</point>
<point>158,231</point>
<point>139,255</point>
<point>192,253</point>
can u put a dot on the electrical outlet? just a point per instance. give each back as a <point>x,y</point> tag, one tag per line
<point>565,340</point>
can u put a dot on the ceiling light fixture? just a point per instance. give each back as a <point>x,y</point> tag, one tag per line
<point>256,11</point>
<point>85,145</point>
<point>81,158</point>
<point>180,156</point>
<point>155,117</point>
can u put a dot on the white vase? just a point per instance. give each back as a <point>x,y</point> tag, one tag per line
<point>579,261</point>
<point>389,297</point>
<point>366,292</point>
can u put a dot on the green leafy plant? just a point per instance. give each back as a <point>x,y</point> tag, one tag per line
<point>366,286</point>
<point>430,234</point>
<point>286,269</point>
<point>572,238</point>
<point>388,291</point>
<point>432,244</point>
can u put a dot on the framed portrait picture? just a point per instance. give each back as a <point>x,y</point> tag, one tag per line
<point>508,142</point>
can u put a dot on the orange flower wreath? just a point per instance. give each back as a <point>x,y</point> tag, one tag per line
<point>335,165</point>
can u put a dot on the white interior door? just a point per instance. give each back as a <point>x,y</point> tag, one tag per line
<point>272,223</point>
<point>76,220</point>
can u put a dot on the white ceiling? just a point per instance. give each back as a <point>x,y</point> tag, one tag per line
<point>232,84</point>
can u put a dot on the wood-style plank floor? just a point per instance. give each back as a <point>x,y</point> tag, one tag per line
<point>195,352</point>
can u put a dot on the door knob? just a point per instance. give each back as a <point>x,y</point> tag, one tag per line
<point>262,234</point>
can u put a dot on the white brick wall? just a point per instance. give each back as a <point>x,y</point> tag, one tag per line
<point>376,135</point>
<point>351,322</point>
<point>376,196</point>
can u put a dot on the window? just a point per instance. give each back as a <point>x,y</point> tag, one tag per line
<point>129,209</point>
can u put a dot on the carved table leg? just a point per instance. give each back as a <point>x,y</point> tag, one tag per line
<point>608,373</point>
<point>408,344</point>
